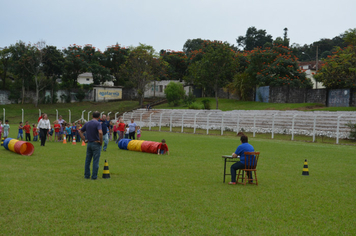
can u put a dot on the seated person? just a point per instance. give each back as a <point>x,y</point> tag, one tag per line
<point>163,148</point>
<point>241,149</point>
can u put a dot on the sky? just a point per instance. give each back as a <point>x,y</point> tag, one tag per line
<point>168,24</point>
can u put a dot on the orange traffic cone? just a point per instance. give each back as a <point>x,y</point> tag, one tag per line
<point>64,140</point>
<point>74,142</point>
<point>83,143</point>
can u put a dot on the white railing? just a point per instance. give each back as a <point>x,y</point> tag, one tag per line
<point>317,123</point>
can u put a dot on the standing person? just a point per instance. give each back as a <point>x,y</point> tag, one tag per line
<point>34,132</point>
<point>57,128</point>
<point>6,128</point>
<point>127,131</point>
<point>94,138</point>
<point>138,132</point>
<point>121,128</point>
<point>111,129</point>
<point>50,134</point>
<point>61,131</point>
<point>163,148</point>
<point>104,128</point>
<point>115,130</point>
<point>240,151</point>
<point>74,131</point>
<point>20,134</point>
<point>132,127</point>
<point>79,126</point>
<point>68,132</point>
<point>44,125</point>
<point>27,129</point>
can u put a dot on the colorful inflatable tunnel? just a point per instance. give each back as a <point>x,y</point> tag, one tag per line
<point>139,145</point>
<point>20,147</point>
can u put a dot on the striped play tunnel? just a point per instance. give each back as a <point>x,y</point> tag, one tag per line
<point>20,147</point>
<point>139,145</point>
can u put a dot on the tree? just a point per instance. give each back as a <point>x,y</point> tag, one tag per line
<point>192,45</point>
<point>115,56</point>
<point>174,93</point>
<point>339,70</point>
<point>74,65</point>
<point>215,68</point>
<point>177,64</point>
<point>254,38</point>
<point>52,67</point>
<point>141,67</point>
<point>5,63</point>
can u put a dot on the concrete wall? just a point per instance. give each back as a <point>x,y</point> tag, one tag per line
<point>4,97</point>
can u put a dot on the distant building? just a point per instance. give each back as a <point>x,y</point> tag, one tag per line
<point>85,78</point>
<point>310,69</point>
<point>156,88</point>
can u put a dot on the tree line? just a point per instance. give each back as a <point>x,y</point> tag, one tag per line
<point>257,60</point>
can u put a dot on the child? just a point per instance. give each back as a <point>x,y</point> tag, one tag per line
<point>57,129</point>
<point>34,133</point>
<point>138,132</point>
<point>114,129</point>
<point>50,134</point>
<point>163,148</point>
<point>6,128</point>
<point>78,126</point>
<point>74,131</point>
<point>27,129</point>
<point>127,131</point>
<point>121,129</point>
<point>20,134</point>
<point>68,132</point>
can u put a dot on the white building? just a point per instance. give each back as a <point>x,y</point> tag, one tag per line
<point>310,69</point>
<point>156,88</point>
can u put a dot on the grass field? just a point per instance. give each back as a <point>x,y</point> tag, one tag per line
<point>179,194</point>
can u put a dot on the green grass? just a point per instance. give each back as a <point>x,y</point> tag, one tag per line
<point>231,104</point>
<point>179,194</point>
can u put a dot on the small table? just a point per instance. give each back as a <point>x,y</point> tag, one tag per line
<point>229,158</point>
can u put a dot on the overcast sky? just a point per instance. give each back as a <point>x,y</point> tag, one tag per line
<point>167,24</point>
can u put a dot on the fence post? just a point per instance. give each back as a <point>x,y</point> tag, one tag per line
<point>4,115</point>
<point>109,113</point>
<point>39,112</point>
<point>182,122</point>
<point>195,121</point>
<point>70,117</point>
<point>207,124</point>
<point>88,116</point>
<point>116,114</point>
<point>131,115</point>
<point>314,125</point>
<point>57,114</point>
<point>254,125</point>
<point>160,121</point>
<point>150,121</point>
<point>170,122</point>
<point>238,124</point>
<point>274,115</point>
<point>82,115</point>
<point>22,114</point>
<point>222,124</point>
<point>141,117</point>
<point>123,116</point>
<point>337,128</point>
<point>293,126</point>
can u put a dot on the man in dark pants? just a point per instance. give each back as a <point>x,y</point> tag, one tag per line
<point>240,151</point>
<point>104,126</point>
<point>94,138</point>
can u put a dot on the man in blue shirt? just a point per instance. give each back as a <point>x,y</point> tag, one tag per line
<point>94,138</point>
<point>240,151</point>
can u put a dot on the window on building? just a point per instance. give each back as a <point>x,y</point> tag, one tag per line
<point>161,88</point>
<point>88,79</point>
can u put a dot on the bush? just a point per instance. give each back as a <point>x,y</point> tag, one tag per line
<point>80,95</point>
<point>352,131</point>
<point>174,93</point>
<point>195,106</point>
<point>189,99</point>
<point>206,103</point>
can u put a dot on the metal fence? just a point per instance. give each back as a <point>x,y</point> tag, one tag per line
<point>317,123</point>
